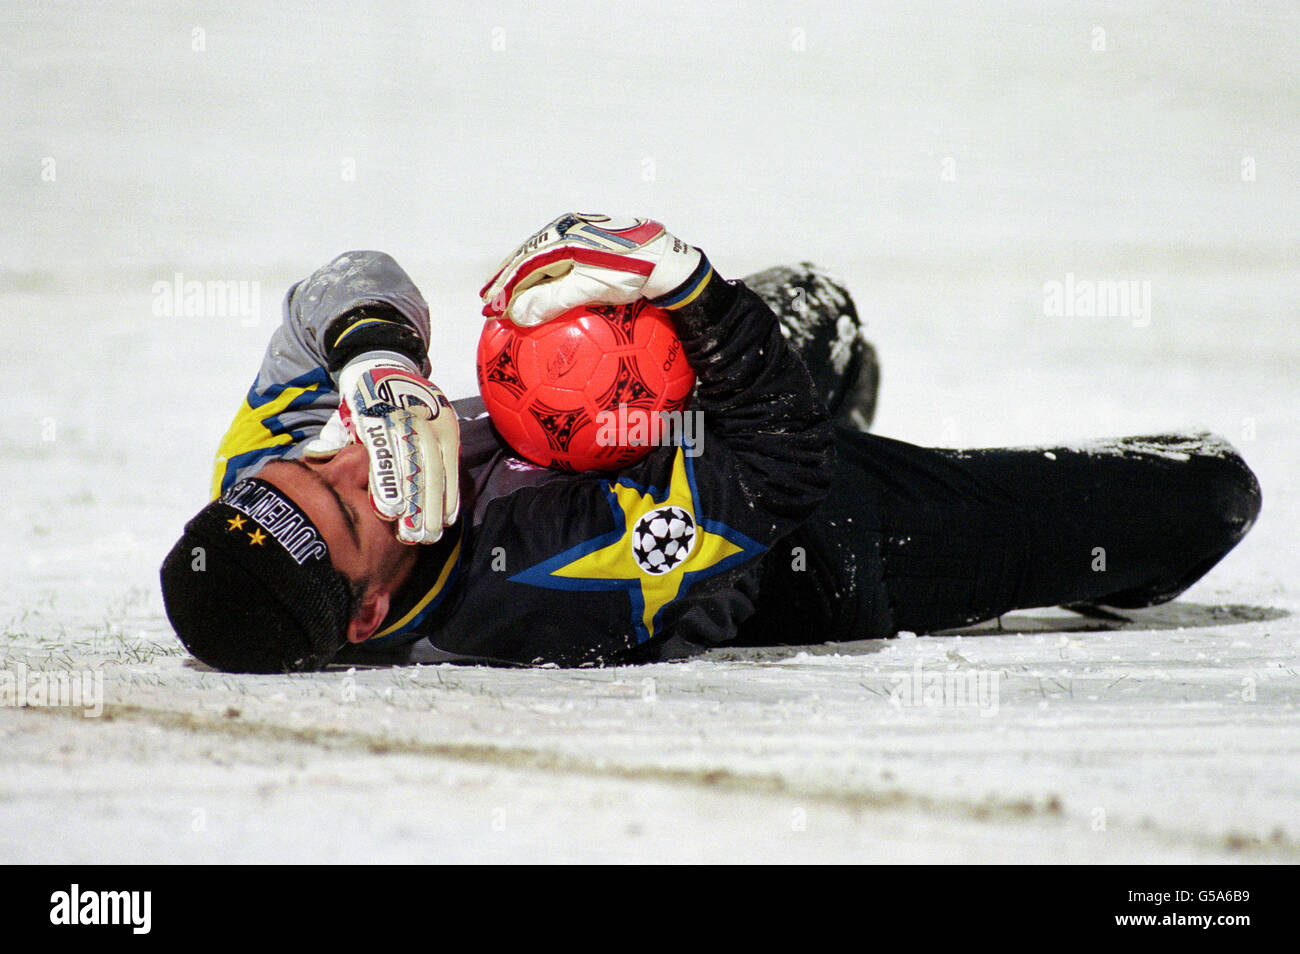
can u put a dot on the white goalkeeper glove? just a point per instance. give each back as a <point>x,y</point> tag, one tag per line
<point>412,440</point>
<point>582,259</point>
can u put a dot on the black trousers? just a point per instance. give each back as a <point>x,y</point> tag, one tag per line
<point>921,539</point>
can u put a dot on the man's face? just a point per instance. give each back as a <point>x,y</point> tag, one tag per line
<point>335,495</point>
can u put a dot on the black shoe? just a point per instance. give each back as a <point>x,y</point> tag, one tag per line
<point>1228,504</point>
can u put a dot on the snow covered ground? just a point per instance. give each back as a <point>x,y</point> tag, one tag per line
<point>947,161</point>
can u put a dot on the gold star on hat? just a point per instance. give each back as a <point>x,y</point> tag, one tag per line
<point>236,522</point>
<point>256,537</point>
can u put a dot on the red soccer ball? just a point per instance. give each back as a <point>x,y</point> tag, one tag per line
<point>585,391</point>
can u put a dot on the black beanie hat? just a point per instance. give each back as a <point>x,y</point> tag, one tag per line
<point>249,587</point>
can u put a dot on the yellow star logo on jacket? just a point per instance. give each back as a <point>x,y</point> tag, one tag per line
<point>660,546</point>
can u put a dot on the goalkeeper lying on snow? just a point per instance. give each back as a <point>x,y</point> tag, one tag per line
<point>356,505</point>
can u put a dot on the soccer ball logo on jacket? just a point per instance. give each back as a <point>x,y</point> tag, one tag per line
<point>662,540</point>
